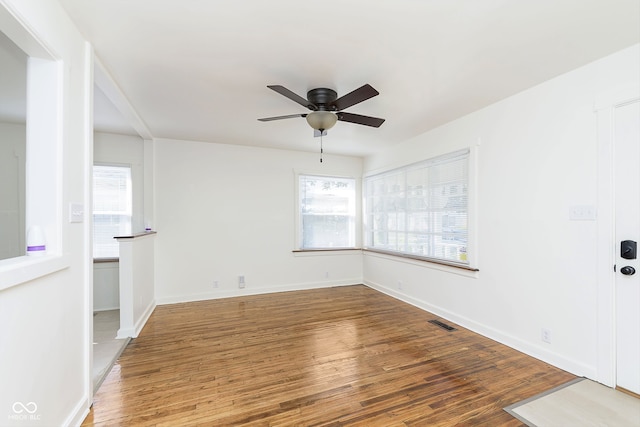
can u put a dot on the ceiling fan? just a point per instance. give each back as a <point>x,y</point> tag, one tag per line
<point>326,108</point>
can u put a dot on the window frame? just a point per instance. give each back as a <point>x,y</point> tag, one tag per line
<point>357,216</point>
<point>43,167</point>
<point>93,214</point>
<point>471,175</point>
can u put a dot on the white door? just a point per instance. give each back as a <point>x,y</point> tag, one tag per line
<point>627,228</point>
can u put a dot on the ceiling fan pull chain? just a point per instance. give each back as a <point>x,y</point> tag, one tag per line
<point>321,151</point>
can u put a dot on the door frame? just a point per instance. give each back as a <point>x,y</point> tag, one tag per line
<point>604,109</point>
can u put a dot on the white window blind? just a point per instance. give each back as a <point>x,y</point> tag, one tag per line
<point>112,208</point>
<point>420,209</point>
<point>327,211</point>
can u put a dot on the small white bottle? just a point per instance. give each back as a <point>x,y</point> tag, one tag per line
<point>36,242</point>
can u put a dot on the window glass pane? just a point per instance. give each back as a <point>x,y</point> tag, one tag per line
<point>420,209</point>
<point>327,212</point>
<point>13,148</point>
<point>112,208</point>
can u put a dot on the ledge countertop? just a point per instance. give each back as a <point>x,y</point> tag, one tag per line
<point>136,235</point>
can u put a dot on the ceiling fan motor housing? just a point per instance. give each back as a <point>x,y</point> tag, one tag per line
<point>322,97</point>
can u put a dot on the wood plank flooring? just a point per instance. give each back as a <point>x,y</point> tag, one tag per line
<point>347,356</point>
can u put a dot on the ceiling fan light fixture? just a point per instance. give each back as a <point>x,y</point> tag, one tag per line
<point>321,120</point>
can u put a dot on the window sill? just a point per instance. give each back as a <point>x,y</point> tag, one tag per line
<point>105,260</point>
<point>15,271</point>
<point>422,259</point>
<point>327,251</point>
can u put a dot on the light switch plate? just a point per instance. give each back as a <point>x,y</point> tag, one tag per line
<point>582,213</point>
<point>76,212</point>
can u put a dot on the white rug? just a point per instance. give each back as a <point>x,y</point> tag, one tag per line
<point>579,403</point>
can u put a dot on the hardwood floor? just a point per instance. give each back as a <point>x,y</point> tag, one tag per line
<point>347,356</point>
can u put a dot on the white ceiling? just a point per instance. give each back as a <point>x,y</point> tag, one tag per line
<point>198,69</point>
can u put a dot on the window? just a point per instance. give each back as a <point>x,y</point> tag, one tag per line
<point>112,208</point>
<point>13,143</point>
<point>327,209</point>
<point>36,108</point>
<point>420,209</point>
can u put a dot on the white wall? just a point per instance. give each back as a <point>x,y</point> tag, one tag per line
<point>106,286</point>
<point>12,191</point>
<point>537,157</point>
<point>224,211</point>
<point>45,322</point>
<point>136,283</point>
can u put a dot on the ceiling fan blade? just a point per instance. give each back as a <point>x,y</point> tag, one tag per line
<point>352,98</point>
<point>290,116</point>
<point>293,96</point>
<point>360,120</point>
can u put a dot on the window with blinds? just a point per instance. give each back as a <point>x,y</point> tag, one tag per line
<point>327,212</point>
<point>112,208</point>
<point>420,209</point>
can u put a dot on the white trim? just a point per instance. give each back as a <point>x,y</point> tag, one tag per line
<point>604,108</point>
<point>88,229</point>
<point>605,310</point>
<point>112,91</point>
<point>134,331</point>
<point>16,28</point>
<point>327,252</point>
<point>148,173</point>
<point>15,271</point>
<point>78,413</point>
<point>616,97</point>
<point>257,291</point>
<point>473,258</point>
<point>97,310</point>
<point>463,270</point>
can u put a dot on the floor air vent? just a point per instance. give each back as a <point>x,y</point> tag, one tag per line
<point>442,325</point>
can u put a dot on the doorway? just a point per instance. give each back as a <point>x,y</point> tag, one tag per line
<point>118,139</point>
<point>618,292</point>
<point>626,136</point>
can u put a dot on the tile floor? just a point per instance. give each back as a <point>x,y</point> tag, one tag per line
<point>106,348</point>
<point>581,402</point>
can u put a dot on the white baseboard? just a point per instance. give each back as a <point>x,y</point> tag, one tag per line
<point>134,331</point>
<point>255,291</point>
<point>533,350</point>
<point>95,310</point>
<point>78,414</point>
<point>143,319</point>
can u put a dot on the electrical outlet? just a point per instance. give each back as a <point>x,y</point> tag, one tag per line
<point>545,335</point>
<point>399,285</point>
<point>215,283</point>
<point>326,274</point>
<point>241,283</point>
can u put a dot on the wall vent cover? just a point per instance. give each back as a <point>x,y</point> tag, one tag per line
<point>442,325</point>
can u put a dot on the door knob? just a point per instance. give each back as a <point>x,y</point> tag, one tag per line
<point>628,270</point>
